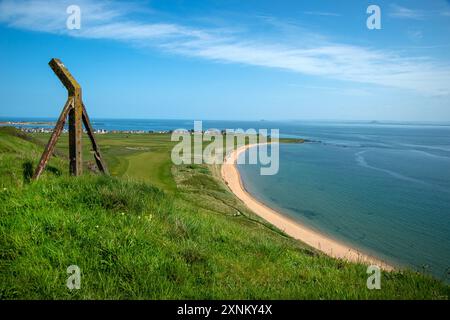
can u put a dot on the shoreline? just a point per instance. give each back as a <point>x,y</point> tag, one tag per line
<point>232,178</point>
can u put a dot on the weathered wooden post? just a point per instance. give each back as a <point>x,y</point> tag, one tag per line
<point>75,109</point>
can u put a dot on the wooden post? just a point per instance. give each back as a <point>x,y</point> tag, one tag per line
<point>75,136</point>
<point>53,139</point>
<point>97,154</point>
<point>76,111</point>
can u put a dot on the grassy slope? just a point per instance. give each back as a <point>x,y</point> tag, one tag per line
<point>141,157</point>
<point>189,239</point>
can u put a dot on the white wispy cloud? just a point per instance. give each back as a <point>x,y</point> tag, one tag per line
<point>405,13</point>
<point>415,34</point>
<point>322,13</point>
<point>335,90</point>
<point>318,57</point>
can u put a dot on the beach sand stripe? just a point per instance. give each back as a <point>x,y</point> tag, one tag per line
<point>331,247</point>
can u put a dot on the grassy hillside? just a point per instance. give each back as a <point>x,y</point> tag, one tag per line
<point>154,231</point>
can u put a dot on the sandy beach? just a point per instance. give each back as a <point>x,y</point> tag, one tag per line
<point>231,176</point>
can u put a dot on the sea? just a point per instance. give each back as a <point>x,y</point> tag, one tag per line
<point>380,187</point>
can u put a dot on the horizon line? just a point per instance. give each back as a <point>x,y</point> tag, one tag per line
<point>380,121</point>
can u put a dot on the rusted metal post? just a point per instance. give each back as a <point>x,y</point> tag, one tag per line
<point>75,136</point>
<point>76,111</point>
<point>75,116</point>
<point>101,165</point>
<point>53,139</point>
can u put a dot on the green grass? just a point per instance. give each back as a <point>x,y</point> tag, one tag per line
<point>19,155</point>
<point>152,168</point>
<point>177,234</point>
<point>143,157</point>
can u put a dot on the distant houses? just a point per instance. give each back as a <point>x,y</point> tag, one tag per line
<point>96,131</point>
<point>39,130</point>
<point>204,132</point>
<point>104,131</point>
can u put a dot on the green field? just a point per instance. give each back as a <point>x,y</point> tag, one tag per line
<point>154,230</point>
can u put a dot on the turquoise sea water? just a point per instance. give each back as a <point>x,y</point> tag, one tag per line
<point>381,187</point>
<point>384,189</point>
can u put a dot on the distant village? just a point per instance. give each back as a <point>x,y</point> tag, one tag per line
<point>96,131</point>
<point>49,127</point>
<point>103,131</point>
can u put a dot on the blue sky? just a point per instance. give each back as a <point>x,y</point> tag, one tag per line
<point>252,59</point>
